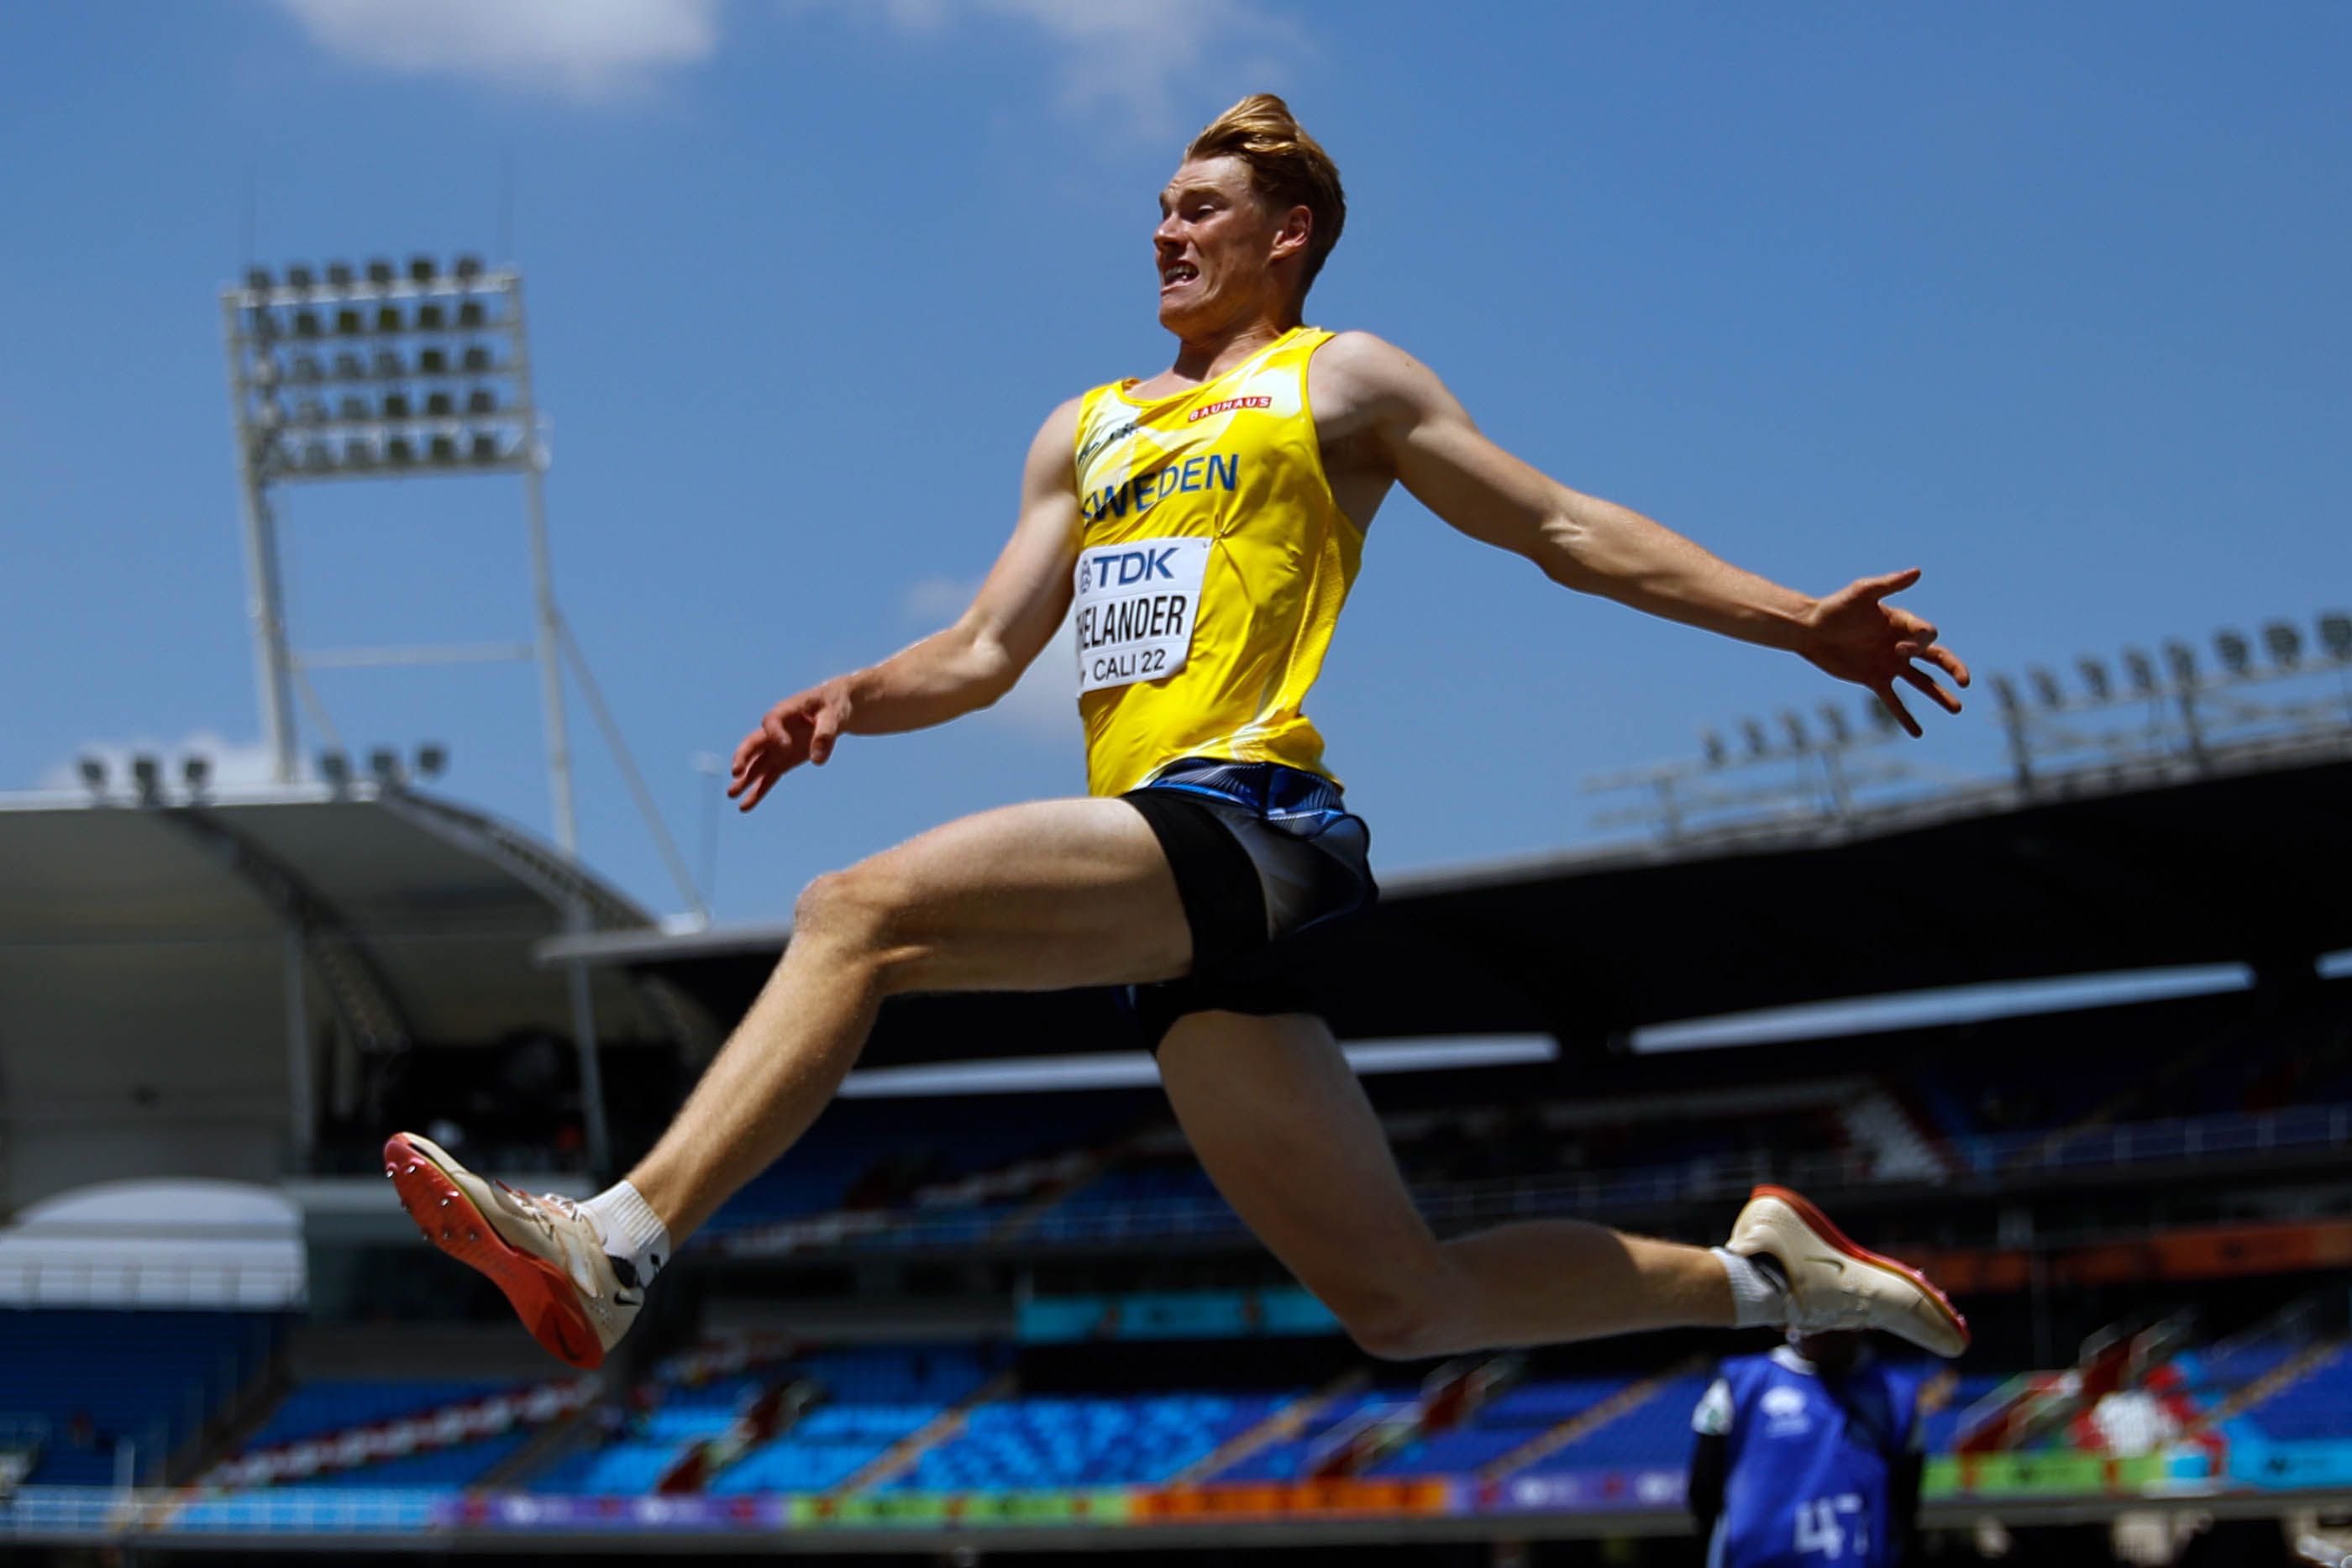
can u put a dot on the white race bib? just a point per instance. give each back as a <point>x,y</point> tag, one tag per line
<point>1136,605</point>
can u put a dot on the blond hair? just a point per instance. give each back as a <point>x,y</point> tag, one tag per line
<point>1288,168</point>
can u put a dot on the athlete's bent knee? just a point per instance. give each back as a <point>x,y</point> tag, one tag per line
<point>860,913</point>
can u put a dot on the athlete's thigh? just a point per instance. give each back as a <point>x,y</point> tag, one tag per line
<point>1039,896</point>
<point>1284,1129</point>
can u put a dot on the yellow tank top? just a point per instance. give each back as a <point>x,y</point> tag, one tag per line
<point>1211,568</point>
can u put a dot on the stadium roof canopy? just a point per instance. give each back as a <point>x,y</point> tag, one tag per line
<point>1977,888</point>
<point>158,962</point>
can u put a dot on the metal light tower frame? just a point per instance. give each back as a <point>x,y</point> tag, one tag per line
<point>462,405</point>
<point>428,369</point>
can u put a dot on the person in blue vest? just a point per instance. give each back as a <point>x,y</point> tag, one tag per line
<point>1808,1455</point>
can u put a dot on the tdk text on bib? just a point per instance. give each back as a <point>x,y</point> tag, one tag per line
<point>1136,605</point>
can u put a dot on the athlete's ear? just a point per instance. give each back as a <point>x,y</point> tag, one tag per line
<point>1297,228</point>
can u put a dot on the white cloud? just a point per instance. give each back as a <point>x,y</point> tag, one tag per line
<point>1133,59</point>
<point>588,51</point>
<point>236,764</point>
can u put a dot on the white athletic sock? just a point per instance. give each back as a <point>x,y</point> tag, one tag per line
<point>635,1237</point>
<point>1759,1295</point>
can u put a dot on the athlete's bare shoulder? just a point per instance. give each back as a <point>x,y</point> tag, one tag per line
<point>1358,381</point>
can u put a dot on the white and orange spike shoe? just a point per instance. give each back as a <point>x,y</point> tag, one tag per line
<point>1834,1283</point>
<point>539,1248</point>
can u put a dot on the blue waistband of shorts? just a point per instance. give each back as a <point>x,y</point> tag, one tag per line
<point>1267,789</point>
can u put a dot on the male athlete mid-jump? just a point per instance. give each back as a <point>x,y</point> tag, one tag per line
<point>1207,522</point>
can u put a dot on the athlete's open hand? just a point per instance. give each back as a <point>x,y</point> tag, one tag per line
<point>1857,636</point>
<point>800,728</point>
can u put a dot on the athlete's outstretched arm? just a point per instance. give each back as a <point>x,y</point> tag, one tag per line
<point>952,671</point>
<point>1598,547</point>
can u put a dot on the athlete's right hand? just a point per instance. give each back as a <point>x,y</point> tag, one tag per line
<point>800,728</point>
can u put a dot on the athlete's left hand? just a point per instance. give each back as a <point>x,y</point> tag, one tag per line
<point>1856,637</point>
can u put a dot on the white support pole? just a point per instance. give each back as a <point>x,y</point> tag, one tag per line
<point>301,1084</point>
<point>265,599</point>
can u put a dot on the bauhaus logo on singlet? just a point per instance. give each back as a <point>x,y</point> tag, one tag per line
<point>1140,492</point>
<point>1226,405</point>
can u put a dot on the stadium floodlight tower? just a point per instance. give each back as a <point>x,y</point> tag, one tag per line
<point>374,372</point>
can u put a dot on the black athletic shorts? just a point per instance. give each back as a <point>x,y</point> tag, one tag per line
<point>1261,852</point>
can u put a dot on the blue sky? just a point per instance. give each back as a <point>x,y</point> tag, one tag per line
<point>2047,300</point>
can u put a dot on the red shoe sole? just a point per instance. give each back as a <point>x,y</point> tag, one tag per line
<point>540,1294</point>
<point>1853,1248</point>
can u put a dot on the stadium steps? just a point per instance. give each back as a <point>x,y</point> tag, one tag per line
<point>1582,1425</point>
<point>1449,1398</point>
<point>2274,1383</point>
<point>773,1414</point>
<point>901,1455</point>
<point>1066,1182</point>
<point>1899,1150</point>
<point>557,1440</point>
<point>246,1416</point>
<point>1281,1425</point>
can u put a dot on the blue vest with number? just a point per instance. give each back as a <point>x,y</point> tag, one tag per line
<point>1806,1485</point>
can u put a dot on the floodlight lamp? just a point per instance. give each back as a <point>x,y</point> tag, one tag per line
<point>477,360</point>
<point>306,371</point>
<point>318,458</point>
<point>1710,746</point>
<point>399,452</point>
<point>339,273</point>
<point>422,269</point>
<point>432,362</point>
<point>2045,687</point>
<point>395,405</point>
<point>93,769</point>
<point>311,411</point>
<point>1833,724</point>
<point>442,449</point>
<point>387,318</point>
<point>2140,670</point>
<point>194,772</point>
<point>2335,634</point>
<point>429,317</point>
<point>306,323</point>
<point>469,267</point>
<point>359,452</point>
<point>335,767</point>
<point>481,400</point>
<point>471,313</point>
<point>384,763</point>
<point>388,365</point>
<point>2237,653</point>
<point>257,279</point>
<point>2004,691</point>
<point>2181,660</point>
<point>2284,643</point>
<point>486,447</point>
<point>378,271</point>
<point>349,323</point>
<point>439,406</point>
<point>2094,678</point>
<point>299,277</point>
<point>349,367</point>
<point>148,774</point>
<point>1794,728</point>
<point>352,408</point>
<point>1751,731</point>
<point>432,759</point>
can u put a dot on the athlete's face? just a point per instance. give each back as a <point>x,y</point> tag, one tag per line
<point>1217,243</point>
